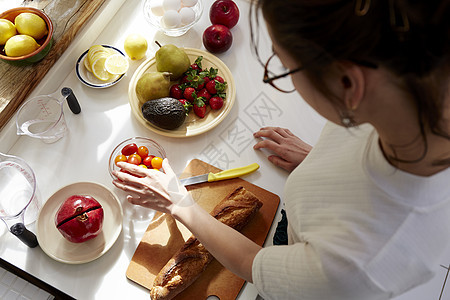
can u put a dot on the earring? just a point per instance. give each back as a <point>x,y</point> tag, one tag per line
<point>347,119</point>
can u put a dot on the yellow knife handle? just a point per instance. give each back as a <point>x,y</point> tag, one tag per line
<point>233,173</point>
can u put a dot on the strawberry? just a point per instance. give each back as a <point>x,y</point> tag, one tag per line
<point>205,94</point>
<point>186,104</point>
<point>211,87</point>
<point>216,102</point>
<point>216,87</point>
<point>176,91</point>
<point>189,94</point>
<point>199,107</point>
<point>219,79</point>
<point>197,65</point>
<point>184,79</point>
<point>194,80</point>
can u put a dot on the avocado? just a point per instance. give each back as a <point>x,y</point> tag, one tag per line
<point>167,113</point>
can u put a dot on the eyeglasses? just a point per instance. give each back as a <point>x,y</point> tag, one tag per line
<point>284,86</point>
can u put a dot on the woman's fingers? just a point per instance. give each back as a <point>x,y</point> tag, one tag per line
<point>279,162</point>
<point>274,133</point>
<point>289,150</point>
<point>267,144</point>
<point>136,170</point>
<point>127,187</point>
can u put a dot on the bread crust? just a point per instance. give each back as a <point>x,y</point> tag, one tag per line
<point>191,260</point>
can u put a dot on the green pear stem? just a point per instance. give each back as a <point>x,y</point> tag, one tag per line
<point>157,43</point>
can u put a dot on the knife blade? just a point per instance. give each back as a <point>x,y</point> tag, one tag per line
<point>226,174</point>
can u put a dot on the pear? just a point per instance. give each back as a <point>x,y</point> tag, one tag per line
<point>153,85</point>
<point>170,58</point>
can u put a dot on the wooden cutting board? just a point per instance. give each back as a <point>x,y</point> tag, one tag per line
<point>17,83</point>
<point>165,236</point>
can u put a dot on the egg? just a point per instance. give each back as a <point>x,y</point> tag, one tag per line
<point>171,5</point>
<point>171,19</point>
<point>156,7</point>
<point>187,15</point>
<point>189,3</point>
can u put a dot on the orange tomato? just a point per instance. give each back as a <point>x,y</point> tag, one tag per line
<point>134,159</point>
<point>157,162</point>
<point>142,151</point>
<point>120,157</point>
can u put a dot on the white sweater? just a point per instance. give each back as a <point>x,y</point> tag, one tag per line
<point>358,228</point>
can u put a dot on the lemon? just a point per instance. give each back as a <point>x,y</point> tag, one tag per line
<point>31,24</point>
<point>116,64</point>
<point>135,46</point>
<point>7,30</point>
<point>99,70</point>
<point>19,45</point>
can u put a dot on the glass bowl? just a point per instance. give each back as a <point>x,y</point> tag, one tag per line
<point>158,22</point>
<point>45,42</point>
<point>153,149</point>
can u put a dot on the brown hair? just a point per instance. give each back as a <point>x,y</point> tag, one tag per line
<point>408,37</point>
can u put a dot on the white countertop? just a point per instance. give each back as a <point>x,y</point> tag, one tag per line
<point>106,120</point>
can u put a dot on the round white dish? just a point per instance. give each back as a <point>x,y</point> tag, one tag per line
<point>57,247</point>
<point>193,125</point>
<point>88,79</point>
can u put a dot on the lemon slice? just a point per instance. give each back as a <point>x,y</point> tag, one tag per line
<point>116,64</point>
<point>87,65</point>
<point>93,50</point>
<point>98,69</point>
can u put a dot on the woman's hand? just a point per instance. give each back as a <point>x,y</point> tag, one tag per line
<point>152,188</point>
<point>289,150</point>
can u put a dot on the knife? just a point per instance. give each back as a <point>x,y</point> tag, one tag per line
<point>226,174</point>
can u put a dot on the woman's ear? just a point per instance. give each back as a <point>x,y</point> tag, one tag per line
<point>352,85</point>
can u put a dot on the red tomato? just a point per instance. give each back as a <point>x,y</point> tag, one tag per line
<point>142,151</point>
<point>134,159</point>
<point>120,157</point>
<point>157,162</point>
<point>148,160</point>
<point>129,149</point>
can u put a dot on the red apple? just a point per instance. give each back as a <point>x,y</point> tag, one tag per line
<point>79,218</point>
<point>224,12</point>
<point>217,38</point>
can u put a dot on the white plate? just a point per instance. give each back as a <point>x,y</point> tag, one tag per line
<point>193,125</point>
<point>87,78</point>
<point>57,247</point>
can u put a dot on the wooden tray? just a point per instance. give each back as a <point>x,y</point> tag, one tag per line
<point>17,83</point>
<point>164,236</point>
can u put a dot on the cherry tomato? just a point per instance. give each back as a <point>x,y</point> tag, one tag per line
<point>142,151</point>
<point>148,160</point>
<point>120,157</point>
<point>157,162</point>
<point>143,166</point>
<point>134,159</point>
<point>129,149</point>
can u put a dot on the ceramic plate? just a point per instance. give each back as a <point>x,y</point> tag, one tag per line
<point>57,247</point>
<point>193,125</point>
<point>87,78</point>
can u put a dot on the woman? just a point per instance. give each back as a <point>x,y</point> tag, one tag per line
<point>369,205</point>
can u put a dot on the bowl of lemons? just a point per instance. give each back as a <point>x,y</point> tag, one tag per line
<point>26,35</point>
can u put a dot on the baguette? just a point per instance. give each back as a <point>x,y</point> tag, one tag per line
<point>192,259</point>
